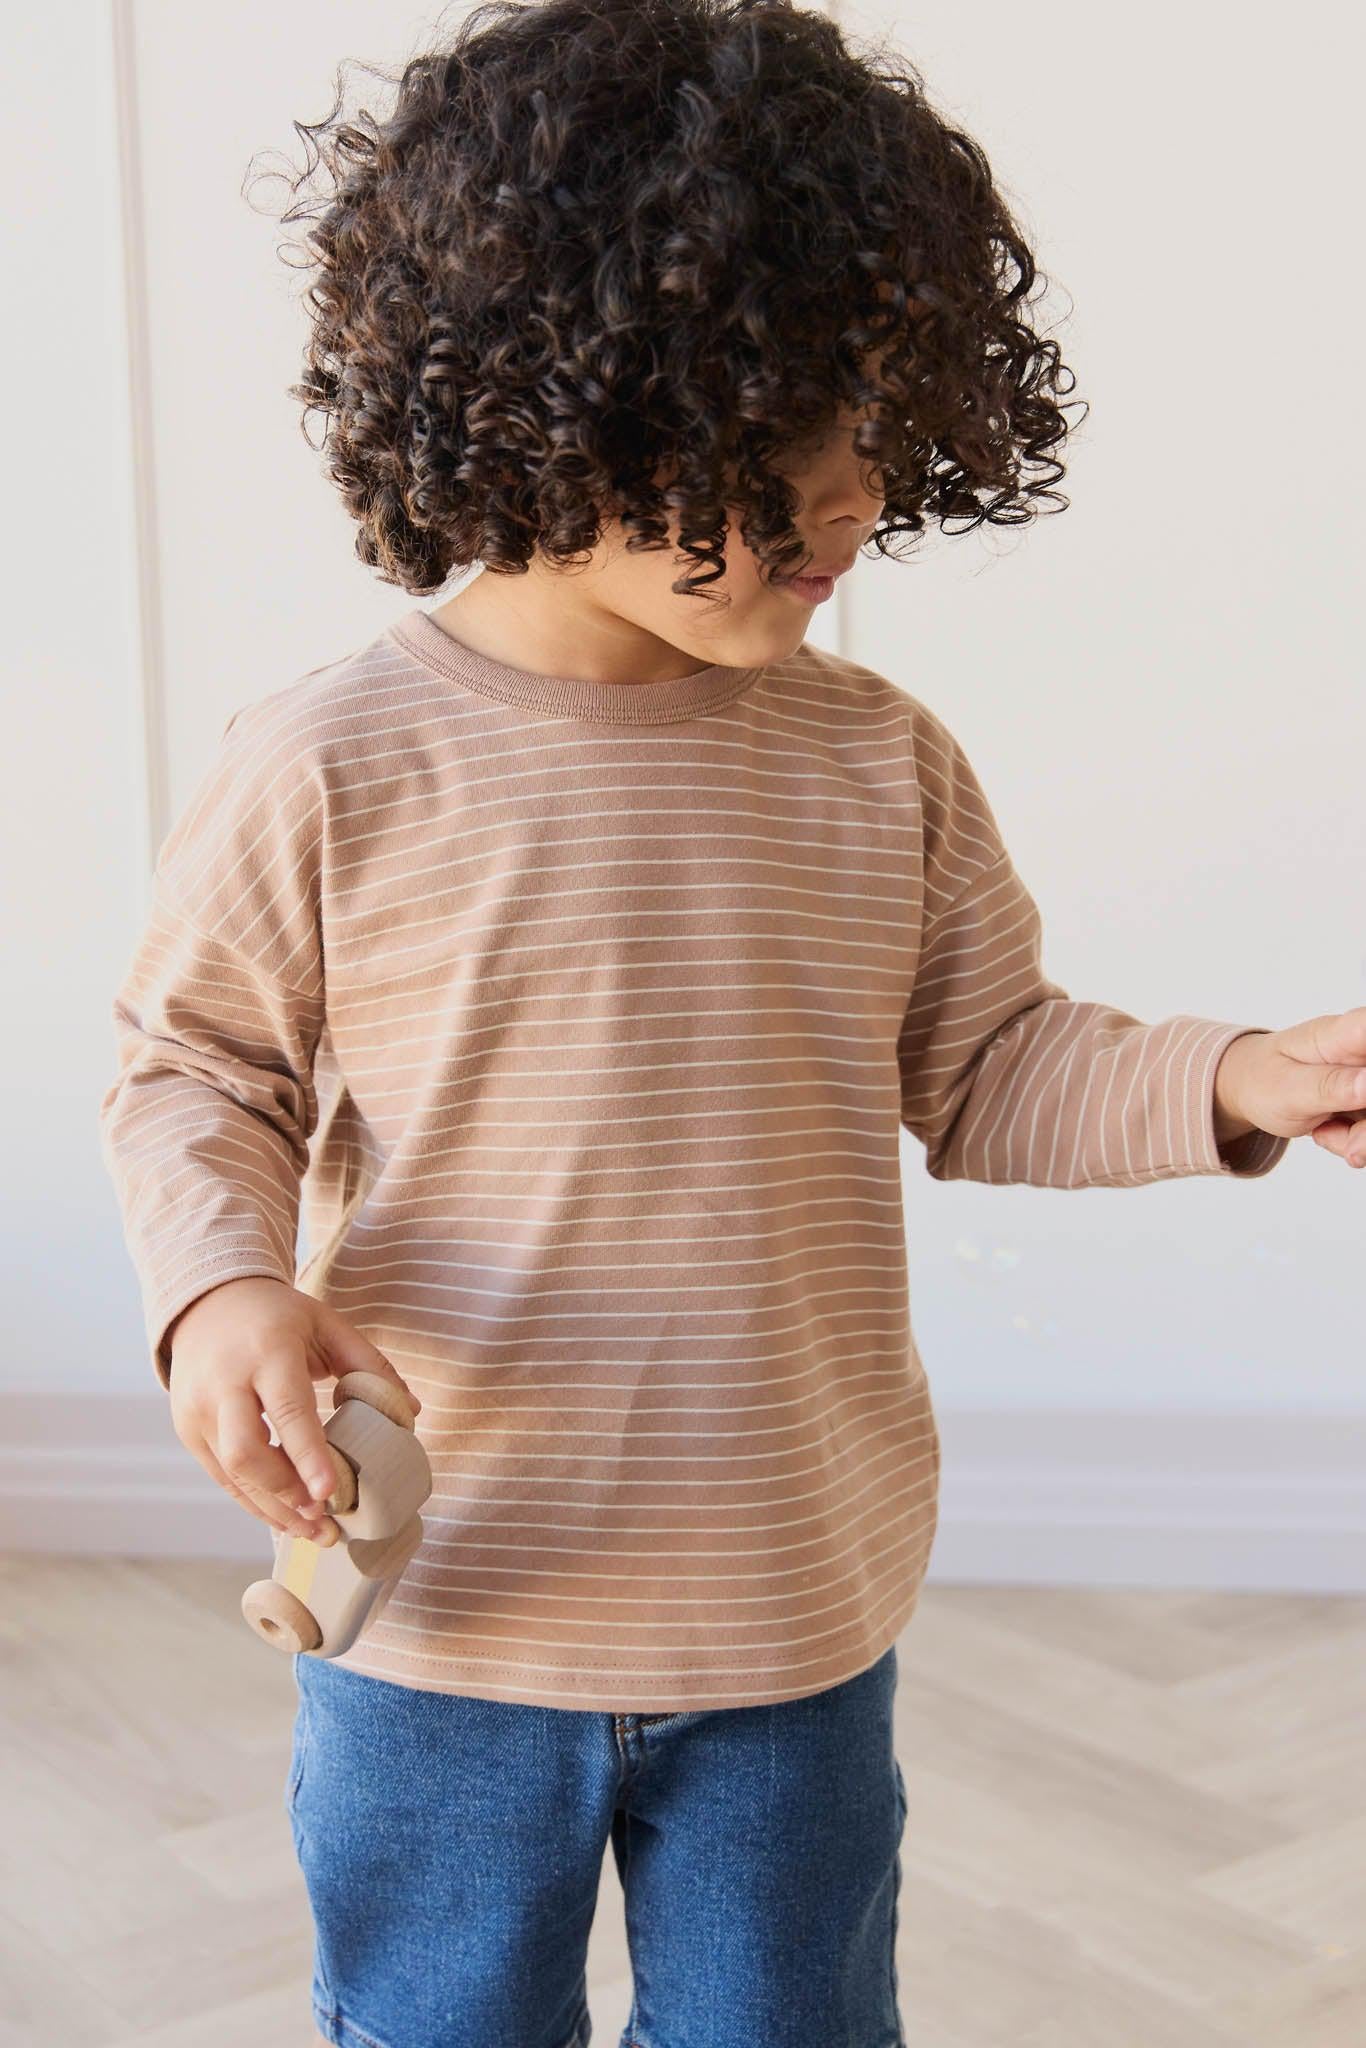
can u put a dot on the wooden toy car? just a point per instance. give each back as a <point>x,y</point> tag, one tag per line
<point>320,1596</point>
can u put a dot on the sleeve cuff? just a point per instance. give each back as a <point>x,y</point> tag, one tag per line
<point>162,1307</point>
<point>1246,1157</point>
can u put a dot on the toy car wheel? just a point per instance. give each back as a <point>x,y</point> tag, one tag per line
<point>344,1493</point>
<point>376,1392</point>
<point>279,1617</point>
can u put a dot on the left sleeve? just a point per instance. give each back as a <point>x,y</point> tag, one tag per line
<point>1003,1077</point>
<point>206,1124</point>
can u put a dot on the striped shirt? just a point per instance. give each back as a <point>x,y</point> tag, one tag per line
<point>594,1012</point>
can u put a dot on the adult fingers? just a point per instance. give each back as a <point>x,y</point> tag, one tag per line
<point>1346,1136</point>
<point>1344,1089</point>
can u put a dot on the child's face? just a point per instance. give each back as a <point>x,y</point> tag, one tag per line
<point>614,616</point>
<point>764,619</point>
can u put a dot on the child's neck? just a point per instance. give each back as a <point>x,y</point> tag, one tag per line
<point>541,622</point>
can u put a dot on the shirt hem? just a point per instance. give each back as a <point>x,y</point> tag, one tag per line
<point>483,1678</point>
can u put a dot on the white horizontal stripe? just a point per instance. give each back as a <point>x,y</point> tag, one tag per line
<point>543,1643</point>
<point>835,1483</point>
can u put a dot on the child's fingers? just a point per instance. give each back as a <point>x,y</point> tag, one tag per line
<point>244,1449</point>
<point>268,1508</point>
<point>288,1398</point>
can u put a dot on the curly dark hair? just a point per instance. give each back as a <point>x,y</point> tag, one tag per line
<point>620,259</point>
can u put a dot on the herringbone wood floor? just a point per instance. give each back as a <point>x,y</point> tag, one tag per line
<point>1137,1820</point>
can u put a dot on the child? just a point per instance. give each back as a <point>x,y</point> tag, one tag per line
<point>590,938</point>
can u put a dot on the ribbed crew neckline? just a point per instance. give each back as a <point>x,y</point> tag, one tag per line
<point>644,703</point>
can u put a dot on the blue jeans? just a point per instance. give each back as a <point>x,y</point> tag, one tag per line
<point>452,1849</point>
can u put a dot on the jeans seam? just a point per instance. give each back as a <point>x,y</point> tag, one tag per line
<point>577,2038</point>
<point>337,2018</point>
<point>902,1808</point>
<point>301,1735</point>
<point>634,2015</point>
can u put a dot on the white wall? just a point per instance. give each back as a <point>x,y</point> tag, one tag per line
<point>1159,687</point>
<point>172,550</point>
<point>74,847</point>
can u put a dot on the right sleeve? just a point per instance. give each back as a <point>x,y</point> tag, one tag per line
<point>205,1127</point>
<point>1004,1077</point>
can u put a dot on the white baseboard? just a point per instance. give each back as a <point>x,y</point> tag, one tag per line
<point>1241,1502</point>
<point>1245,1502</point>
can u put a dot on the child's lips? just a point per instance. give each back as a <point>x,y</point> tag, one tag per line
<point>810,589</point>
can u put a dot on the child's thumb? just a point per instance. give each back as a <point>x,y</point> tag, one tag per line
<point>348,1351</point>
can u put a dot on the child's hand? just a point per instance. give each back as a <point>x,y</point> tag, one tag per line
<point>1309,1079</point>
<point>254,1345</point>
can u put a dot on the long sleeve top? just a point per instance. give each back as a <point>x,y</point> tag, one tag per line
<point>583,1020</point>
